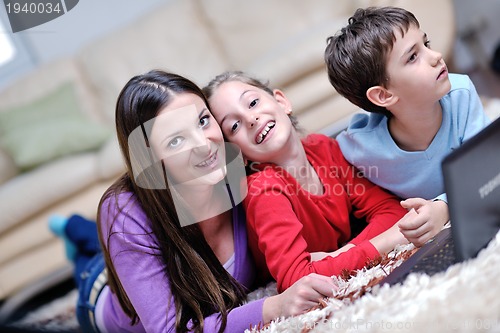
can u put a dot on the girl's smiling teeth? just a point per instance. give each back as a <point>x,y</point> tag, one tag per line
<point>267,128</point>
<point>209,161</point>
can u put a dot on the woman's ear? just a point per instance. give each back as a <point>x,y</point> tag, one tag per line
<point>282,100</point>
<point>380,96</point>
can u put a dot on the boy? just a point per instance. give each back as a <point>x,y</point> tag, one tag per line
<point>382,62</point>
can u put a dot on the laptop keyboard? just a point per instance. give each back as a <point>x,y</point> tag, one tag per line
<point>434,257</point>
<point>437,262</point>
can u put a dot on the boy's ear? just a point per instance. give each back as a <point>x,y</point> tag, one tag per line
<point>380,96</point>
<point>282,100</point>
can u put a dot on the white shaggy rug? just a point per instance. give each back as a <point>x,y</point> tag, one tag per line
<point>464,298</point>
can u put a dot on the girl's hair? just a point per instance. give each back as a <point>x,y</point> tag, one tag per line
<point>200,285</point>
<point>356,57</point>
<point>240,76</point>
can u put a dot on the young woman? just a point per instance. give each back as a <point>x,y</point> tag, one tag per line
<point>173,237</point>
<point>303,191</point>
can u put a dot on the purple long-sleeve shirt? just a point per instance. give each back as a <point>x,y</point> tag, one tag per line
<point>142,273</point>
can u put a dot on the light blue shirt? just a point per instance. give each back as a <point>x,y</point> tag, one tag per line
<point>368,145</point>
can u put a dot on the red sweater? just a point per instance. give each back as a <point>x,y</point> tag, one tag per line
<point>285,223</point>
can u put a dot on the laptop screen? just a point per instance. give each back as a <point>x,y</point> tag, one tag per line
<point>472,181</point>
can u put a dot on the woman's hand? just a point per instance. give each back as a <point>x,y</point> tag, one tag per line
<point>300,297</point>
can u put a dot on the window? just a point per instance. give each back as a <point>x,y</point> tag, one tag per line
<point>15,58</point>
<point>7,50</point>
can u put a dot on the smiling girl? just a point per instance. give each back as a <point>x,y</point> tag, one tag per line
<point>303,191</point>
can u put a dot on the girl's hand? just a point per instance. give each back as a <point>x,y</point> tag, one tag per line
<point>386,241</point>
<point>300,297</point>
<point>316,256</point>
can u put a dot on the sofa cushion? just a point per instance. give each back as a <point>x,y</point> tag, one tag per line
<point>31,192</point>
<point>30,267</point>
<point>172,38</point>
<point>33,233</point>
<point>248,29</point>
<point>328,117</point>
<point>294,58</point>
<point>47,78</point>
<point>109,160</point>
<point>312,90</point>
<point>48,128</point>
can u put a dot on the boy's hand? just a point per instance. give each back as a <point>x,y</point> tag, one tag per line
<point>424,219</point>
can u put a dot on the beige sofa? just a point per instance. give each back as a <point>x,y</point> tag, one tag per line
<point>279,40</point>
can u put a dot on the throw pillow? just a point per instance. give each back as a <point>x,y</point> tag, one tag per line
<point>7,167</point>
<point>50,127</point>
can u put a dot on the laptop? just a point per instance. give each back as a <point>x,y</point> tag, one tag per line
<point>472,182</point>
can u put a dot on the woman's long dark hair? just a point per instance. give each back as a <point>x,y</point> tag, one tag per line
<point>200,285</point>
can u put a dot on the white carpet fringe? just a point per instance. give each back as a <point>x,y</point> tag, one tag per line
<point>464,298</point>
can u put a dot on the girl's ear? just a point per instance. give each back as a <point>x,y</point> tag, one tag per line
<point>282,100</point>
<point>380,96</point>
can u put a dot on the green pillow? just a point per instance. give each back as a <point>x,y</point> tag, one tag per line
<point>48,128</point>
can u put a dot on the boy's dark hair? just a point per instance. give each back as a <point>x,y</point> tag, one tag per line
<point>356,57</point>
